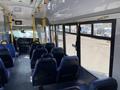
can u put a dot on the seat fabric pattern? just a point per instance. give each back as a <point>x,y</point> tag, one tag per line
<point>45,72</point>
<point>68,69</point>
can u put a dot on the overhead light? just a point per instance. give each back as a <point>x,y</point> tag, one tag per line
<point>63,1</point>
<point>49,6</point>
<point>20,1</point>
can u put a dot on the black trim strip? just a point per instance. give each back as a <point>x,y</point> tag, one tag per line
<point>64,39</point>
<point>112,47</point>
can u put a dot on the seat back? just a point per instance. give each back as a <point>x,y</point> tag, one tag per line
<point>11,49</point>
<point>37,55</point>
<point>58,54</point>
<point>3,74</point>
<point>6,57</point>
<point>47,55</point>
<point>105,84</point>
<point>68,69</point>
<point>49,46</point>
<point>45,72</point>
<point>33,46</point>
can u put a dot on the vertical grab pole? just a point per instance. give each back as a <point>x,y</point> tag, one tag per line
<point>33,27</point>
<point>43,27</point>
<point>10,21</point>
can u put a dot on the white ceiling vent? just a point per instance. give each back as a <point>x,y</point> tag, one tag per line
<point>17,9</point>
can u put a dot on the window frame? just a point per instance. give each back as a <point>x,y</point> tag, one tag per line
<point>111,39</point>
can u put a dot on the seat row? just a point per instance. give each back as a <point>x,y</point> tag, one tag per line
<point>104,84</point>
<point>46,70</point>
<point>53,67</point>
<point>52,61</point>
<point>39,51</point>
<point>7,56</point>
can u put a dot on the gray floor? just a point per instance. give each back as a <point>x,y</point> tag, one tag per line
<point>20,75</point>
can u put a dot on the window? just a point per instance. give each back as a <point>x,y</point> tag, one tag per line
<point>73,29</point>
<point>86,28</point>
<point>103,29</point>
<point>67,29</point>
<point>47,33</point>
<point>96,47</point>
<point>24,34</point>
<point>60,35</point>
<point>60,28</point>
<point>52,28</point>
<point>70,44</point>
<point>95,56</point>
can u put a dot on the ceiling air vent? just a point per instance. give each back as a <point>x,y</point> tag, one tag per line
<point>17,9</point>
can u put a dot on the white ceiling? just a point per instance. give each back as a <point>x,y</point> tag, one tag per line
<point>65,9</point>
<point>58,10</point>
<point>21,9</point>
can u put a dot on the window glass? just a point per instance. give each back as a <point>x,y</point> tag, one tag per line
<point>24,33</point>
<point>70,44</point>
<point>97,61</point>
<point>48,34</point>
<point>73,29</point>
<point>86,28</point>
<point>67,29</point>
<point>52,28</point>
<point>59,30</point>
<point>103,29</point>
<point>53,36</point>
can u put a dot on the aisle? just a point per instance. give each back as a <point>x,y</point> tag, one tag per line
<point>20,75</point>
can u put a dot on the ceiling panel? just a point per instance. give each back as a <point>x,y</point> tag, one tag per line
<point>65,9</point>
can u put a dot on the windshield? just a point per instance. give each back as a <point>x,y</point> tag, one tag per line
<point>24,34</point>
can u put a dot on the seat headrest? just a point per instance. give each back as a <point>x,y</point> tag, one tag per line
<point>47,55</point>
<point>47,61</point>
<point>49,46</point>
<point>57,49</point>
<point>40,51</point>
<point>39,46</point>
<point>69,60</point>
<point>105,84</point>
<point>58,52</point>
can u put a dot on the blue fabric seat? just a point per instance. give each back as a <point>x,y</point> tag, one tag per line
<point>105,84</point>
<point>6,57</point>
<point>68,69</point>
<point>81,87</point>
<point>37,55</point>
<point>47,55</point>
<point>58,54</point>
<point>3,74</point>
<point>45,72</point>
<point>49,46</point>
<point>33,46</point>
<point>11,49</point>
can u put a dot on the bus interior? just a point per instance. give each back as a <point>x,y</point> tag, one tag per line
<point>59,44</point>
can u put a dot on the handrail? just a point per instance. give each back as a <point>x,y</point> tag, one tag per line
<point>10,22</point>
<point>33,27</point>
